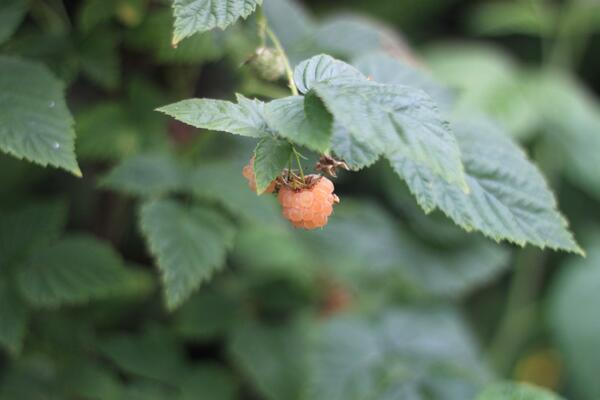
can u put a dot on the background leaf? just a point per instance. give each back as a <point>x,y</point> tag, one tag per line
<point>152,354</point>
<point>206,316</point>
<point>223,182</point>
<point>12,13</point>
<point>13,318</point>
<point>35,123</point>
<point>502,18</point>
<point>154,35</point>
<point>388,358</point>
<point>188,243</point>
<point>570,119</point>
<point>104,132</point>
<point>400,263</point>
<point>487,80</point>
<point>73,270</point>
<point>521,391</point>
<point>146,175</point>
<point>273,357</point>
<point>572,318</point>
<point>28,227</point>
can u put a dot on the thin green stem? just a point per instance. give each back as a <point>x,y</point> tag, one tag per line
<point>544,39</point>
<point>570,38</point>
<point>288,68</point>
<point>288,72</point>
<point>297,155</point>
<point>262,27</point>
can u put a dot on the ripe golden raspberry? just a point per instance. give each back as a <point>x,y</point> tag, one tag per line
<point>309,208</point>
<point>248,173</point>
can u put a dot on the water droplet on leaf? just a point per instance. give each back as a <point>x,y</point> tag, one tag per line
<point>56,145</point>
<point>51,104</point>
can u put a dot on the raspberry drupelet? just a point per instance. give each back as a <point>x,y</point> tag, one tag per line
<point>310,207</point>
<point>248,173</point>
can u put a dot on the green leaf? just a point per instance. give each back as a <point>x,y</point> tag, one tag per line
<point>193,16</point>
<point>271,157</point>
<point>405,353</point>
<point>323,68</point>
<point>303,120</point>
<point>13,318</point>
<point>245,118</point>
<point>146,175</point>
<point>12,13</point>
<point>514,391</point>
<point>74,270</point>
<point>189,244</point>
<point>509,199</point>
<point>273,357</point>
<point>400,122</point>
<point>348,147</point>
<point>572,316</point>
<point>35,123</point>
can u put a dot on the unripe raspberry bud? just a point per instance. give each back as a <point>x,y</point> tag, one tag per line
<point>269,63</point>
<point>309,208</point>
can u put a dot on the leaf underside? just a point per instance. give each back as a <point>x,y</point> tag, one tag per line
<point>246,118</point>
<point>397,121</point>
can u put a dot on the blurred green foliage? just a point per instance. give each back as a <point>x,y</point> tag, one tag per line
<point>386,302</point>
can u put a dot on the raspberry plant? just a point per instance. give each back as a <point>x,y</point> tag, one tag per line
<point>372,298</point>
